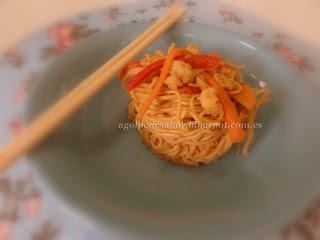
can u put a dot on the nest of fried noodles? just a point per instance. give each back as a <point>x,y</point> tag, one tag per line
<point>184,122</point>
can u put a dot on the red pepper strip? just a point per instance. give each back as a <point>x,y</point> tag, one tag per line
<point>206,62</point>
<point>190,89</point>
<point>149,70</point>
<point>127,68</point>
<point>144,74</point>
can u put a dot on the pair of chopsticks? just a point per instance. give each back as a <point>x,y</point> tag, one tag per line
<point>46,123</point>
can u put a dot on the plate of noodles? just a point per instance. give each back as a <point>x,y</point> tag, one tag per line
<point>198,138</point>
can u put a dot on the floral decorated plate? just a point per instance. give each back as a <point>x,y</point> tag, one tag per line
<point>101,181</point>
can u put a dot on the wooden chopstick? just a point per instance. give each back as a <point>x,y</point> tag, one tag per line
<point>46,123</point>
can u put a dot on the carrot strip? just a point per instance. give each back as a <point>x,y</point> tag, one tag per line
<point>247,97</point>
<point>164,73</point>
<point>236,133</point>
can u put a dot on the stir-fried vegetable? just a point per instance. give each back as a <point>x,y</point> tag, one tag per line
<point>237,134</point>
<point>164,73</point>
<point>206,62</point>
<point>247,96</point>
<point>128,67</point>
<point>131,65</point>
<point>144,74</point>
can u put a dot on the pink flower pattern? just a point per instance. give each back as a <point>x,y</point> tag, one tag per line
<point>24,88</point>
<point>290,55</point>
<point>14,57</point>
<point>65,35</point>
<point>165,3</point>
<point>112,14</point>
<point>286,52</point>
<point>303,226</point>
<point>15,126</point>
<point>47,231</point>
<point>32,206</point>
<point>62,33</point>
<point>6,228</point>
<point>257,34</point>
<point>21,196</point>
<point>229,15</point>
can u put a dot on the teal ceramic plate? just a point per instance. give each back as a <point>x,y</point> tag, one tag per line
<point>109,176</point>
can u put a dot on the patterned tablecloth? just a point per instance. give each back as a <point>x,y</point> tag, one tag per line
<point>28,210</point>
